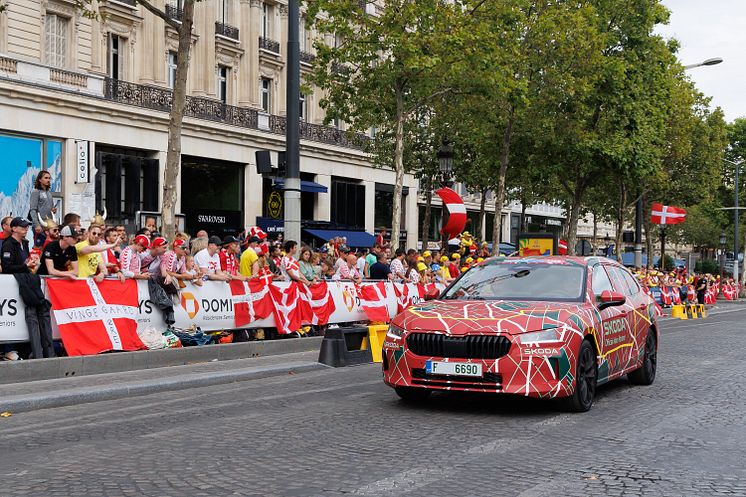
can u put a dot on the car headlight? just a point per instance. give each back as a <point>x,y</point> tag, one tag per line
<point>395,331</point>
<point>540,336</point>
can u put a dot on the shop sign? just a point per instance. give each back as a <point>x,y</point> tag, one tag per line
<point>213,221</point>
<point>274,205</point>
<point>82,162</point>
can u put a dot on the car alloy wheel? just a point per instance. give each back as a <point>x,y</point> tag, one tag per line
<point>586,377</point>
<point>645,374</point>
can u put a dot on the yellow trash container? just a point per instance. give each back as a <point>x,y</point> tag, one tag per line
<point>376,336</point>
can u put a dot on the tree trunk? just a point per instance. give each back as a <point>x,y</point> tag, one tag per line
<point>176,118</point>
<point>482,208</point>
<point>500,193</point>
<point>523,215</point>
<point>621,210</point>
<point>428,213</point>
<point>648,228</point>
<point>572,220</point>
<point>398,169</point>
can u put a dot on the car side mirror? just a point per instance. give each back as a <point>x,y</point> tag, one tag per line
<point>432,294</point>
<point>610,299</point>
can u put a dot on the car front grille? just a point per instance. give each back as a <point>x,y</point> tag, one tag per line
<point>466,347</point>
<point>491,381</point>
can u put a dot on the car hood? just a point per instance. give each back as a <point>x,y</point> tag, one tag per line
<point>461,317</point>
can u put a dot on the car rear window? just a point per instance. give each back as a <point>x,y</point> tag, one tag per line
<point>517,281</point>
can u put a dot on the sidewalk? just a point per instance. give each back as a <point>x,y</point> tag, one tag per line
<point>44,394</point>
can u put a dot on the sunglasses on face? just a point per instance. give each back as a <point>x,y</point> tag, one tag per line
<point>53,230</point>
<point>94,233</point>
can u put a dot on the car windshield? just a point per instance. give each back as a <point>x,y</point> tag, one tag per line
<point>519,281</point>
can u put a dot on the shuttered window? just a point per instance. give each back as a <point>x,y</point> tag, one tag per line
<point>56,40</point>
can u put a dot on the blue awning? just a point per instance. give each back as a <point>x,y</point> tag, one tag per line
<point>356,239</point>
<point>305,186</point>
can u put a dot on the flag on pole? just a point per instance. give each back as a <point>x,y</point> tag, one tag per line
<point>667,214</point>
<point>95,317</point>
<point>373,301</point>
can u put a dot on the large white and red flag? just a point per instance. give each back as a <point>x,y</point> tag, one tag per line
<point>322,303</point>
<point>292,308</point>
<point>373,301</point>
<point>95,317</point>
<point>667,214</point>
<point>456,212</point>
<point>251,301</point>
<point>408,294</point>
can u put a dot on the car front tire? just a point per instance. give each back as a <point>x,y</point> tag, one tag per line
<point>586,378</point>
<point>645,374</point>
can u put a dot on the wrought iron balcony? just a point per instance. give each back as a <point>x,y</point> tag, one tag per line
<point>174,11</point>
<point>226,30</point>
<point>131,3</point>
<point>155,98</point>
<point>307,57</point>
<point>269,44</point>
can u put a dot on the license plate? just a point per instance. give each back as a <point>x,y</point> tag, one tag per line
<point>453,368</point>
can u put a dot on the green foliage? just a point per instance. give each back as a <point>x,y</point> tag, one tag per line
<point>707,266</point>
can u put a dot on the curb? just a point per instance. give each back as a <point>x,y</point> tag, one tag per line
<point>73,367</point>
<point>84,395</point>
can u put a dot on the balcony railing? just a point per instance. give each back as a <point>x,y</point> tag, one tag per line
<point>131,3</point>
<point>306,57</point>
<point>174,11</point>
<point>226,30</point>
<point>269,44</point>
<point>155,98</point>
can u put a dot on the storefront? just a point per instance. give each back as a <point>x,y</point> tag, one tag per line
<point>212,195</point>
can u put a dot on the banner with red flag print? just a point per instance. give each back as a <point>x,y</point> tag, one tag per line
<point>251,301</point>
<point>408,294</point>
<point>667,214</point>
<point>322,302</point>
<point>373,301</point>
<point>95,317</point>
<point>292,308</point>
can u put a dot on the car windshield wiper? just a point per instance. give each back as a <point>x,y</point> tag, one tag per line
<point>518,274</point>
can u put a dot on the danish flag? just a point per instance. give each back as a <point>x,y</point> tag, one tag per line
<point>291,307</point>
<point>667,214</point>
<point>248,306</point>
<point>95,317</point>
<point>373,301</point>
<point>456,212</point>
<point>406,293</point>
<point>322,303</point>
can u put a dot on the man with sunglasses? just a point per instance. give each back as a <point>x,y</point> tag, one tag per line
<point>90,262</point>
<point>60,258</point>
<point>51,233</point>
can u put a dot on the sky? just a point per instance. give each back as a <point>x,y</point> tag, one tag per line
<point>707,29</point>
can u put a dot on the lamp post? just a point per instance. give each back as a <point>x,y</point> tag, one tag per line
<point>708,62</point>
<point>722,241</point>
<point>638,205</point>
<point>737,166</point>
<point>292,132</point>
<point>445,162</point>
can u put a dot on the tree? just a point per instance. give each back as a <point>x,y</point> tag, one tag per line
<point>183,27</point>
<point>384,69</point>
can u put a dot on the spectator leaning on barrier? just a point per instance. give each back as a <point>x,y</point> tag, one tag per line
<point>397,266</point>
<point>349,271</point>
<point>90,261</point>
<point>150,260</point>
<point>248,263</point>
<point>16,261</point>
<point>173,264</point>
<point>130,262</point>
<point>380,270</point>
<point>111,237</point>
<point>60,258</point>
<point>306,265</point>
<point>6,227</point>
<point>289,267</point>
<point>51,232</point>
<point>208,261</point>
<point>228,261</point>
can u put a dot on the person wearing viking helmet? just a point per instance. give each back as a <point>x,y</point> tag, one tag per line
<point>51,231</point>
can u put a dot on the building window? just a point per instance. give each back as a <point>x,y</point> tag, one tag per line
<point>226,12</point>
<point>303,108</point>
<point>266,16</point>
<point>266,96</point>
<point>302,34</point>
<point>116,53</point>
<point>223,83</point>
<point>56,40</point>
<point>348,203</point>
<point>171,69</point>
<point>384,210</point>
<point>337,123</point>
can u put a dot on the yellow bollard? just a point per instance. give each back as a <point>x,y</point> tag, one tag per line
<point>678,311</point>
<point>694,311</point>
<point>376,337</point>
<point>702,311</point>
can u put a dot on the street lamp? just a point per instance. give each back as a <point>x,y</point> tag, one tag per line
<point>709,62</point>
<point>445,160</point>
<point>722,241</point>
<point>737,166</point>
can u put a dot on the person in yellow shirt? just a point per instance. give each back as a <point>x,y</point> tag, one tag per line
<point>90,262</point>
<point>248,264</point>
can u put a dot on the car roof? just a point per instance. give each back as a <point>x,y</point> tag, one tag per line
<point>549,259</point>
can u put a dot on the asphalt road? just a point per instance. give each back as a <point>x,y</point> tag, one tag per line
<point>342,432</point>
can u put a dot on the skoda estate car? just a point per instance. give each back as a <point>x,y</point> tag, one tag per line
<point>546,327</point>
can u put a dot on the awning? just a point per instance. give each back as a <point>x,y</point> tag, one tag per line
<point>354,238</point>
<point>305,186</point>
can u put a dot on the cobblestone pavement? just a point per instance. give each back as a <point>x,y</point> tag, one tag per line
<point>342,432</point>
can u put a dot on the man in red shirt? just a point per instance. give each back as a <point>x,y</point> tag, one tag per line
<point>455,267</point>
<point>228,260</point>
<point>6,227</point>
